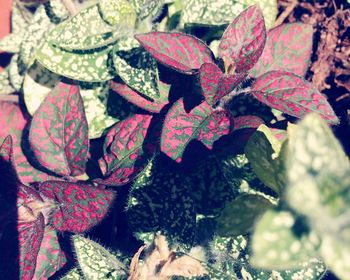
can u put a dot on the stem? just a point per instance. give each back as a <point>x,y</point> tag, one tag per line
<point>228,98</point>
<point>69,5</point>
<point>286,13</point>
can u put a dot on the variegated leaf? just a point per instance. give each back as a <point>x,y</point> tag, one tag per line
<point>5,85</point>
<point>292,95</point>
<point>73,274</point>
<point>117,12</point>
<point>145,8</point>
<point>16,73</point>
<point>243,122</point>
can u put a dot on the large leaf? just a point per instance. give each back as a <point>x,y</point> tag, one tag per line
<point>182,52</point>
<point>117,12</point>
<point>201,123</point>
<point>136,67</point>
<point>95,261</point>
<point>288,48</point>
<point>243,41</point>
<point>59,133</point>
<point>126,152</point>
<point>16,73</point>
<point>147,8</point>
<point>79,206</point>
<point>292,95</point>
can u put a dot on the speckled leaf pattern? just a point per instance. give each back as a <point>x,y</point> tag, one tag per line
<point>201,123</point>
<point>243,122</point>
<point>263,152</point>
<point>59,132</point>
<point>292,95</point>
<point>5,85</point>
<point>73,274</point>
<point>95,261</point>
<point>182,52</point>
<point>80,205</point>
<point>16,73</point>
<point>244,39</point>
<point>50,257</point>
<point>6,148</point>
<point>216,84</point>
<point>136,67</point>
<point>117,12</point>
<point>135,98</point>
<point>126,152</point>
<point>288,48</point>
<point>145,8</point>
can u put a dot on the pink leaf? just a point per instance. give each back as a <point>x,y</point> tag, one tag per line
<point>244,39</point>
<point>126,152</point>
<point>80,206</point>
<point>6,149</point>
<point>135,98</point>
<point>201,123</point>
<point>288,48</point>
<point>292,95</point>
<point>243,122</point>
<point>59,132</point>
<point>182,52</point>
<point>216,84</point>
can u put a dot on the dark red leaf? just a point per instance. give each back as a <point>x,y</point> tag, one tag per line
<point>292,95</point>
<point>201,123</point>
<point>182,52</point>
<point>80,206</point>
<point>243,122</point>
<point>243,41</point>
<point>59,132</point>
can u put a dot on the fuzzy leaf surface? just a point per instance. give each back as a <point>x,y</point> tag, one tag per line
<point>288,48</point>
<point>182,52</point>
<point>80,206</point>
<point>201,123</point>
<point>292,95</point>
<point>244,39</point>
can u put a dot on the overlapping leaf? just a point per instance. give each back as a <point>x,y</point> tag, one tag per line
<point>243,41</point>
<point>147,8</point>
<point>243,122</point>
<point>16,73</point>
<point>59,132</point>
<point>80,205</point>
<point>201,123</point>
<point>5,85</point>
<point>117,12</point>
<point>288,48</point>
<point>182,52</point>
<point>73,274</point>
<point>292,95</point>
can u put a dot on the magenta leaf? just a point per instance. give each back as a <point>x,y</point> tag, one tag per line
<point>80,206</point>
<point>135,98</point>
<point>292,95</point>
<point>288,48</point>
<point>184,53</point>
<point>243,41</point>
<point>201,123</point>
<point>243,122</point>
<point>59,132</point>
<point>126,152</point>
<point>216,84</point>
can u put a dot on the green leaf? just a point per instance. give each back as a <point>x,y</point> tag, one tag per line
<point>16,73</point>
<point>145,8</point>
<point>117,12</point>
<point>5,85</point>
<point>136,67</point>
<point>239,215</point>
<point>95,261</point>
<point>73,274</point>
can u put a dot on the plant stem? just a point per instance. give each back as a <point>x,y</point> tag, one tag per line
<point>286,12</point>
<point>70,7</point>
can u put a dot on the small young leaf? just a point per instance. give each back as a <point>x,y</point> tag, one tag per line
<point>95,261</point>
<point>243,41</point>
<point>292,95</point>
<point>79,206</point>
<point>201,123</point>
<point>59,133</point>
<point>117,12</point>
<point>288,48</point>
<point>182,52</point>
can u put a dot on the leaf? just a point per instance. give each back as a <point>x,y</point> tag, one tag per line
<point>79,205</point>
<point>288,48</point>
<point>73,274</point>
<point>50,257</point>
<point>201,123</point>
<point>95,261</point>
<point>263,152</point>
<point>117,12</point>
<point>243,41</point>
<point>5,85</point>
<point>292,95</point>
<point>239,215</point>
<point>182,52</point>
<point>145,8</point>
<point>59,133</point>
<point>6,149</point>
<point>136,67</point>
<point>135,98</point>
<point>243,122</point>
<point>126,152</point>
<point>216,84</point>
<point>15,73</point>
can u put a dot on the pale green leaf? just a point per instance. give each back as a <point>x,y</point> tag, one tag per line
<point>73,274</point>
<point>117,12</point>
<point>16,73</point>
<point>5,85</point>
<point>145,8</point>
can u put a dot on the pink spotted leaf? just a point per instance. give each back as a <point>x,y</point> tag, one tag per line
<point>182,52</point>
<point>135,98</point>
<point>126,152</point>
<point>80,205</point>
<point>292,95</point>
<point>215,84</point>
<point>243,122</point>
<point>201,123</point>
<point>288,47</point>
<point>243,41</point>
<point>59,132</point>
